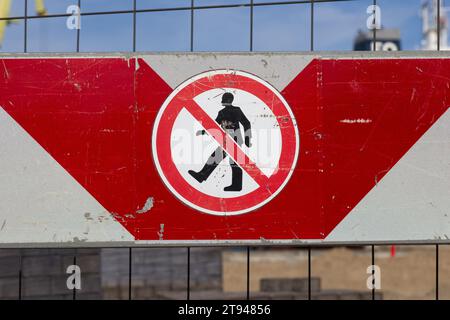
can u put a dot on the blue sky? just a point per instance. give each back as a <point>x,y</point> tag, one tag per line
<point>276,28</point>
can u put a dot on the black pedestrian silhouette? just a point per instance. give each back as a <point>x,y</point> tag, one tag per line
<point>229,119</point>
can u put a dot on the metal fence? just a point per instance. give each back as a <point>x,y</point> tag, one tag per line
<point>194,7</point>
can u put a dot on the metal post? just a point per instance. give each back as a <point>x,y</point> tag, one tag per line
<point>74,290</point>
<point>134,25</point>
<point>248,273</point>
<point>192,25</point>
<point>78,27</point>
<point>130,268</point>
<point>374,28</point>
<point>437,272</point>
<point>188,285</point>
<point>373,272</point>
<point>20,274</point>
<point>309,273</point>
<point>312,26</point>
<point>438,26</point>
<point>251,25</point>
<point>25,29</point>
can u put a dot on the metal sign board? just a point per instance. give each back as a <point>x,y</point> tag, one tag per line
<point>224,148</point>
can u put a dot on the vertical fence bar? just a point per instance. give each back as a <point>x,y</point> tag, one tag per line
<point>192,25</point>
<point>20,274</point>
<point>74,290</point>
<point>248,248</point>
<point>438,25</point>
<point>374,48</point>
<point>25,34</point>
<point>130,250</point>
<point>373,272</point>
<point>134,25</point>
<point>74,293</point>
<point>248,273</point>
<point>311,46</point>
<point>25,28</point>
<point>188,285</point>
<point>79,27</point>
<point>438,30</point>
<point>309,273</point>
<point>130,270</point>
<point>374,26</point>
<point>251,25</point>
<point>437,272</point>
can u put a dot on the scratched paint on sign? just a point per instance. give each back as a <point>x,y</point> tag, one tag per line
<point>77,163</point>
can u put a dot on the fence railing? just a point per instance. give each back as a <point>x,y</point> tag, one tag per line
<point>195,6</point>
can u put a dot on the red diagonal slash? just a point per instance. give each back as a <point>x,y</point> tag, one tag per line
<point>227,143</point>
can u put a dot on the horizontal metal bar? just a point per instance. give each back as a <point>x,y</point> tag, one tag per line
<point>225,6</point>
<point>316,54</point>
<point>218,243</point>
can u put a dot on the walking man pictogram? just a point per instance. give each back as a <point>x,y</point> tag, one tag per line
<point>229,119</point>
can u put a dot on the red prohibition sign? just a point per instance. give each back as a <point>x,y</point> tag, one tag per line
<point>182,98</point>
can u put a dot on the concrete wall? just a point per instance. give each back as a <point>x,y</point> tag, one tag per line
<point>44,273</point>
<point>157,271</point>
<point>104,272</point>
